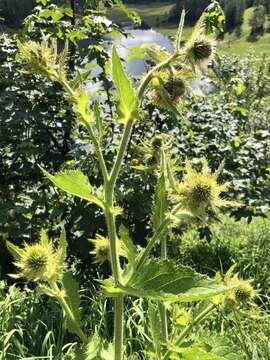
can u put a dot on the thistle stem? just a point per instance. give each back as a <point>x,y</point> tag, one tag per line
<point>188,328</point>
<point>159,232</point>
<point>68,312</point>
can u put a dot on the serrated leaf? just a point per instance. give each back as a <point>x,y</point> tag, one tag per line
<point>160,202</point>
<point>166,281</point>
<point>196,354</point>
<point>44,237</point>
<point>154,325</point>
<point>93,347</point>
<point>82,106</point>
<point>15,251</point>
<point>72,293</point>
<point>127,102</point>
<point>63,246</point>
<point>75,183</point>
<point>99,124</point>
<point>129,247</point>
<point>130,14</point>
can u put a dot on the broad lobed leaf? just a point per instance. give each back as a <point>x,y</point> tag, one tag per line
<point>72,292</point>
<point>127,102</point>
<point>167,281</point>
<point>75,183</point>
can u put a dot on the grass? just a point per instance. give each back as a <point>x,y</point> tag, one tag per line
<point>155,15</point>
<point>240,45</point>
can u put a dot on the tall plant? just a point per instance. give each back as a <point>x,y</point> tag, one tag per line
<point>157,279</point>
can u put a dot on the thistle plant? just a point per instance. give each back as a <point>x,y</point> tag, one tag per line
<point>157,279</point>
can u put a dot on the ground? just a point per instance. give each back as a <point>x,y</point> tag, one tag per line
<point>155,15</point>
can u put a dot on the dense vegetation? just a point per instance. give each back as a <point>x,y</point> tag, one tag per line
<point>178,243</point>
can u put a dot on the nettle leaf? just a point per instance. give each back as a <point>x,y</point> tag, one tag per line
<point>160,202</point>
<point>127,101</point>
<point>82,106</point>
<point>72,293</point>
<point>75,183</point>
<point>196,353</point>
<point>130,248</point>
<point>63,246</point>
<point>166,281</point>
<point>15,251</point>
<point>154,326</point>
<point>93,347</point>
<point>44,237</point>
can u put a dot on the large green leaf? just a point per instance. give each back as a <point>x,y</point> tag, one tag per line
<point>14,250</point>
<point>72,293</point>
<point>166,281</point>
<point>160,202</point>
<point>196,353</point>
<point>127,101</point>
<point>75,183</point>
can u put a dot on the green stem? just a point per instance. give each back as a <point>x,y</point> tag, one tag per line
<point>121,153</point>
<point>143,86</point>
<point>242,340</point>
<point>119,327</point>
<point>116,271</point>
<point>99,153</point>
<point>163,241</point>
<point>189,328</point>
<point>164,322</point>
<point>110,219</point>
<point>159,232</point>
<point>69,313</point>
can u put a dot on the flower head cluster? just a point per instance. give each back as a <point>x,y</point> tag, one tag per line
<point>40,261</point>
<point>101,249</point>
<point>168,87</point>
<point>43,58</point>
<point>199,49</point>
<point>200,191</point>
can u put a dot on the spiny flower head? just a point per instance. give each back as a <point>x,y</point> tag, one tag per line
<point>200,191</point>
<point>101,249</point>
<point>242,293</point>
<point>39,261</point>
<point>43,58</point>
<point>168,86</point>
<point>199,49</point>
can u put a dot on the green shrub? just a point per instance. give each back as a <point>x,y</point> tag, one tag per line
<point>232,242</point>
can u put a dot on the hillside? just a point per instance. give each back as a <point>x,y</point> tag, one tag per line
<point>155,15</point>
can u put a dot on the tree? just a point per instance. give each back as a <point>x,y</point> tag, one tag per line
<point>257,22</point>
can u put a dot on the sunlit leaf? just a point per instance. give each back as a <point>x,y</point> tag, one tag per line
<point>75,183</point>
<point>72,294</point>
<point>167,281</point>
<point>127,101</point>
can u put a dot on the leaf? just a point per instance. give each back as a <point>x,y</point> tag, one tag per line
<point>127,102</point>
<point>130,248</point>
<point>167,281</point>
<point>93,347</point>
<point>196,354</point>
<point>130,14</point>
<point>82,106</point>
<point>154,326</point>
<point>72,293</point>
<point>160,202</point>
<point>99,124</point>
<point>44,237</point>
<point>75,183</point>
<point>63,246</point>
<point>14,250</point>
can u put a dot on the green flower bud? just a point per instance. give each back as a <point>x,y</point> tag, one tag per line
<point>39,262</point>
<point>199,49</point>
